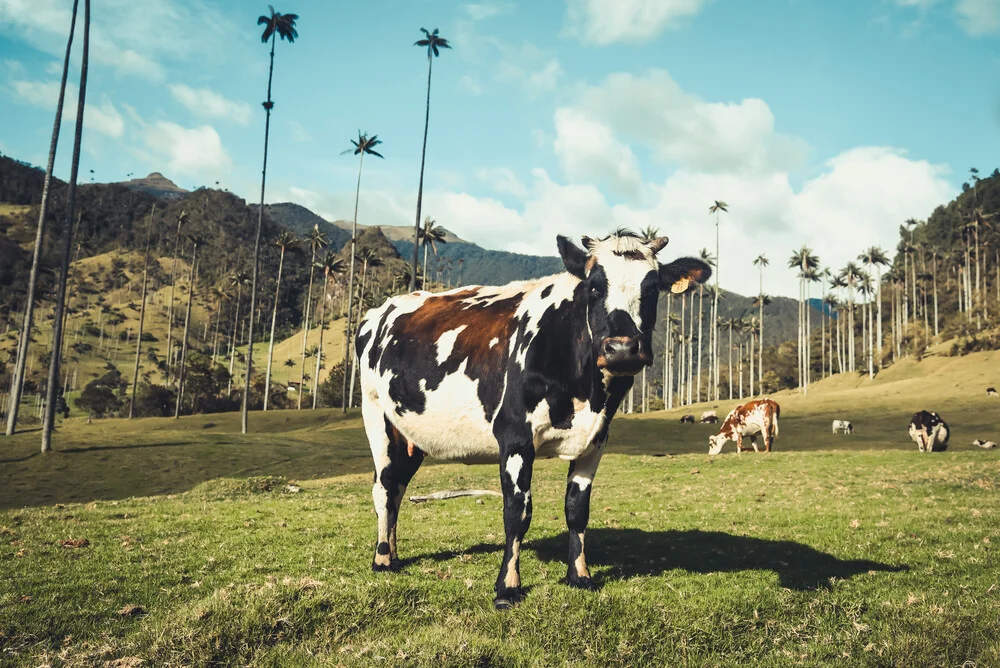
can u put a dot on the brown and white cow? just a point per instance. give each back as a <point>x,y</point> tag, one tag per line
<point>749,419</point>
<point>507,374</point>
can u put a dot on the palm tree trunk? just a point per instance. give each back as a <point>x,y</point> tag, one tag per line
<point>232,344</point>
<point>741,370</point>
<point>350,280</point>
<point>730,361</point>
<point>822,340</point>
<point>187,324</point>
<point>305,330</point>
<point>420,187</point>
<point>905,305</point>
<point>808,357</point>
<point>690,355</point>
<point>142,316</point>
<point>215,336</point>
<point>319,351</point>
<point>425,286</point>
<point>878,290</point>
<point>274,320</point>
<point>170,305</point>
<point>871,352</point>
<point>680,354</point>
<point>17,380</point>
<point>50,390</point>
<point>701,315</point>
<point>245,408</point>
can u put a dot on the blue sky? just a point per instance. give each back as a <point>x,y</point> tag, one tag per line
<point>819,123</point>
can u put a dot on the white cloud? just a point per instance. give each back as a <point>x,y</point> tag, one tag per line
<point>470,84</point>
<point>103,118</point>
<point>589,152</point>
<point>144,33</point>
<point>979,17</point>
<point>527,65</point>
<point>485,10</point>
<point>604,22</point>
<point>207,103</point>
<point>502,181</point>
<point>680,128</point>
<point>299,133</point>
<point>194,152</point>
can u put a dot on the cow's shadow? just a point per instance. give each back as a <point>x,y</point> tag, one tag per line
<point>623,553</point>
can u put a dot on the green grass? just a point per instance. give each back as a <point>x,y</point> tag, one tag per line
<point>829,551</point>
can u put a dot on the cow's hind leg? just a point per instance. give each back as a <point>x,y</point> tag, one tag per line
<point>578,486</point>
<point>392,473</point>
<point>516,464</point>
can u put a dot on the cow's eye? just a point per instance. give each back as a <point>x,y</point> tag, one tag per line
<point>595,291</point>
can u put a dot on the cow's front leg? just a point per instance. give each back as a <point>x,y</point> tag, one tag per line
<point>578,486</point>
<point>515,481</point>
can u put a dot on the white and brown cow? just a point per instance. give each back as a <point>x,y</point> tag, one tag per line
<point>929,432</point>
<point>759,417</point>
<point>530,369</point>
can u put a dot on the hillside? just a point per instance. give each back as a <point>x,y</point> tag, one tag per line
<point>301,220</point>
<point>158,185</point>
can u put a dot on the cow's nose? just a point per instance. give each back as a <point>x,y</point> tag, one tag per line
<point>621,346</point>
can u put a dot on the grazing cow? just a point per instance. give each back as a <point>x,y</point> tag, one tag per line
<point>708,414</point>
<point>843,427</point>
<point>530,369</point>
<point>709,419</point>
<point>929,432</point>
<point>991,391</point>
<point>687,418</point>
<point>750,419</point>
<point>985,445</point>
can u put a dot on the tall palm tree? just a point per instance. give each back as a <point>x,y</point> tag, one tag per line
<point>364,145</point>
<point>760,301</point>
<point>803,260</point>
<point>876,258</point>
<point>718,206</point>
<point>17,380</point>
<point>705,256</point>
<point>221,294</point>
<point>434,43</point>
<point>761,262</point>
<point>731,324</point>
<point>276,25</point>
<point>187,324</point>
<point>238,279</point>
<point>330,265</point>
<point>831,304</point>
<point>142,314</point>
<point>852,277</point>
<point>431,235</point>
<point>317,240</point>
<point>811,275</point>
<point>57,330</point>
<point>285,239</point>
<point>182,218</point>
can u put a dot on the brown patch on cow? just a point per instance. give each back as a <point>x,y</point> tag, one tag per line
<point>580,563</point>
<point>511,579</point>
<point>591,263</point>
<point>483,321</point>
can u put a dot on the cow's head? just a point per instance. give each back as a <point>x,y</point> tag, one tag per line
<point>715,443</point>
<point>623,279</point>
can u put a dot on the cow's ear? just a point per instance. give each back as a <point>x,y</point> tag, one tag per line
<point>573,258</point>
<point>658,244</point>
<point>681,274</point>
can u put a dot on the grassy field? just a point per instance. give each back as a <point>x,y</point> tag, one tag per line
<point>831,550</point>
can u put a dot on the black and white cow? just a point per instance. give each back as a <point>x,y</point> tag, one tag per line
<point>687,418</point>
<point>991,392</point>
<point>929,432</point>
<point>530,369</point>
<point>843,427</point>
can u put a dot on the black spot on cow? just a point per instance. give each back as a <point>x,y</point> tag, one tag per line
<point>546,291</point>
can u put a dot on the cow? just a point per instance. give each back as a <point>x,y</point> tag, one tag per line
<point>750,419</point>
<point>509,374</point>
<point>687,418</point>
<point>929,432</point>
<point>708,414</point>
<point>843,427</point>
<point>985,445</point>
<point>709,419</point>
<point>991,392</point>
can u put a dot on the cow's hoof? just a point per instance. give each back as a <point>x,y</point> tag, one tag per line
<point>382,568</point>
<point>507,599</point>
<point>576,582</point>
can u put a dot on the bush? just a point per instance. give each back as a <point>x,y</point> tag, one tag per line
<point>330,390</point>
<point>154,401</point>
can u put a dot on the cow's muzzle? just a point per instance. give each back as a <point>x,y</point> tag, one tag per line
<point>623,356</point>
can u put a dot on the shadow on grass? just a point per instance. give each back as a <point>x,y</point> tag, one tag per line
<point>626,553</point>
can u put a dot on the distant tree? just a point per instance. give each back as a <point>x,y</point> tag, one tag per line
<point>434,43</point>
<point>718,206</point>
<point>182,218</point>
<point>285,239</point>
<point>195,241</point>
<point>876,258</point>
<point>761,262</point>
<point>431,235</point>
<point>276,25</point>
<point>364,145</point>
<point>317,241</point>
<point>142,314</point>
<point>48,423</point>
<point>24,340</point>
<point>331,265</point>
<point>238,279</point>
<point>803,260</point>
<point>103,396</point>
